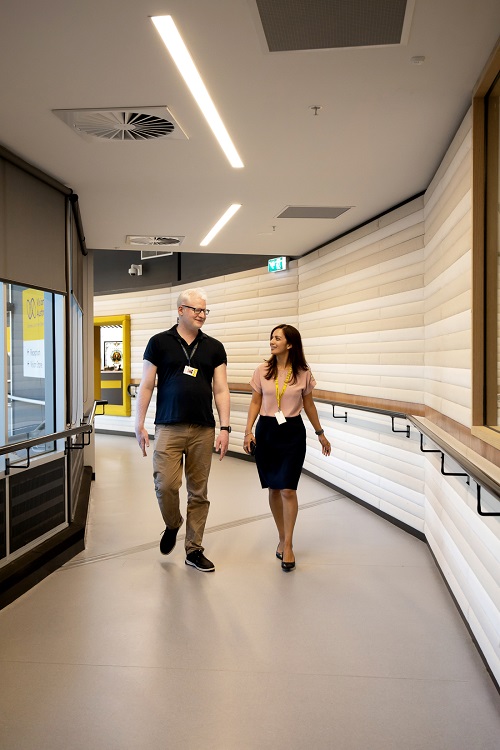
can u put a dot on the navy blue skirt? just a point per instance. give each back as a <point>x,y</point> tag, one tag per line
<point>280,452</point>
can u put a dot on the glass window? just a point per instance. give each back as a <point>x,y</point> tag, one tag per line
<point>4,337</point>
<point>76,363</point>
<point>32,318</point>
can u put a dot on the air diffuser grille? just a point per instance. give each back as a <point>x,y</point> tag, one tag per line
<point>153,240</point>
<point>122,124</point>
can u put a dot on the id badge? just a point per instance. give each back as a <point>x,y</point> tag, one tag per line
<point>280,417</point>
<point>190,371</point>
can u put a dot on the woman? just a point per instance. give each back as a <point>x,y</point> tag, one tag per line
<point>281,387</point>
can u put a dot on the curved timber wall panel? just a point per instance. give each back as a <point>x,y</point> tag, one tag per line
<point>361,308</point>
<point>466,546</point>
<point>447,282</point>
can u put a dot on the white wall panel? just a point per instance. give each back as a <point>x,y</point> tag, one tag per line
<point>468,587</point>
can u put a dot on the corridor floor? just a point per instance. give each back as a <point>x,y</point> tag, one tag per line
<point>360,648</point>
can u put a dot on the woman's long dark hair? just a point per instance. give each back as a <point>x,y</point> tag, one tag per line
<point>295,354</point>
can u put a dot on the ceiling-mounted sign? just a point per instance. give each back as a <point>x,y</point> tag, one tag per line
<point>276,264</point>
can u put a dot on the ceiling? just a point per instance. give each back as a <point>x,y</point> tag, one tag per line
<point>383,125</point>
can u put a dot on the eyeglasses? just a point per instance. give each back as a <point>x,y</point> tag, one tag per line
<point>198,310</point>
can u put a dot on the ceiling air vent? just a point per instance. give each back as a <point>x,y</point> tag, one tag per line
<point>312,212</point>
<point>329,24</point>
<point>123,124</point>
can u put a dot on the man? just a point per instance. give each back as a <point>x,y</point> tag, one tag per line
<point>188,366</point>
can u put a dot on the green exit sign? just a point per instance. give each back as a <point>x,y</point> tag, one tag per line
<point>276,264</point>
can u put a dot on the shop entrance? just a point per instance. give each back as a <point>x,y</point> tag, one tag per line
<point>112,363</point>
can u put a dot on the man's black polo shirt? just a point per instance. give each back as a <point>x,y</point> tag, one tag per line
<point>182,399</point>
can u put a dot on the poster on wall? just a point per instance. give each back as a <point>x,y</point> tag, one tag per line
<point>33,334</point>
<point>113,355</point>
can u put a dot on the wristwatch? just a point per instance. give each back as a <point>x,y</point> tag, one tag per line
<point>319,432</point>
<point>226,428</point>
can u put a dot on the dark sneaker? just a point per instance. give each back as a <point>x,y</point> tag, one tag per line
<point>198,560</point>
<point>167,542</point>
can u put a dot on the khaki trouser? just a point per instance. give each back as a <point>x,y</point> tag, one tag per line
<point>172,444</point>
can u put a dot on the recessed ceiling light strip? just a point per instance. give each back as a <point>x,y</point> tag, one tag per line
<point>180,55</point>
<point>222,221</point>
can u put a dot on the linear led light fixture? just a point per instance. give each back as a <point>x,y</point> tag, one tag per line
<point>222,221</point>
<point>181,57</point>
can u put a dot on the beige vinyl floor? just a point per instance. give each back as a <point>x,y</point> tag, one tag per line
<point>360,648</point>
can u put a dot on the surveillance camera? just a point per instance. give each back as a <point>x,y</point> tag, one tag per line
<point>135,270</point>
<point>132,271</point>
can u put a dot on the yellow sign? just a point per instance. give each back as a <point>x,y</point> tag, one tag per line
<point>33,318</point>
<point>33,333</point>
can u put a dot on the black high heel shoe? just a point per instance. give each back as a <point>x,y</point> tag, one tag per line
<point>287,566</point>
<point>279,555</point>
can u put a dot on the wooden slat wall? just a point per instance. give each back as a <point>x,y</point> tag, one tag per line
<point>385,312</point>
<point>361,315</point>
<point>448,280</point>
<point>466,546</point>
<point>360,309</point>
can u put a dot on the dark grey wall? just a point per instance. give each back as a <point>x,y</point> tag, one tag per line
<point>111,269</point>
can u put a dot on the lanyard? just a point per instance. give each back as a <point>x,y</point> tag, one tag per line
<point>278,394</point>
<point>189,357</point>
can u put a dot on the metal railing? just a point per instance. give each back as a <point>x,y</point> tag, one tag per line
<point>470,470</point>
<point>392,414</point>
<point>84,430</point>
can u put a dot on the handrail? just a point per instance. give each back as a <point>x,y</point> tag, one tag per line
<point>85,428</point>
<point>91,416</point>
<point>472,471</point>
<point>375,410</point>
<point>478,475</point>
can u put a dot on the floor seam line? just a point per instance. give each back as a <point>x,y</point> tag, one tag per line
<point>342,675</point>
<point>210,530</point>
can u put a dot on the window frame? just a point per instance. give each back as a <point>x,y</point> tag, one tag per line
<point>484,260</point>
<point>54,356</point>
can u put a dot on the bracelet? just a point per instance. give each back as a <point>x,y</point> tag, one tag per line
<point>247,434</point>
<point>319,432</point>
